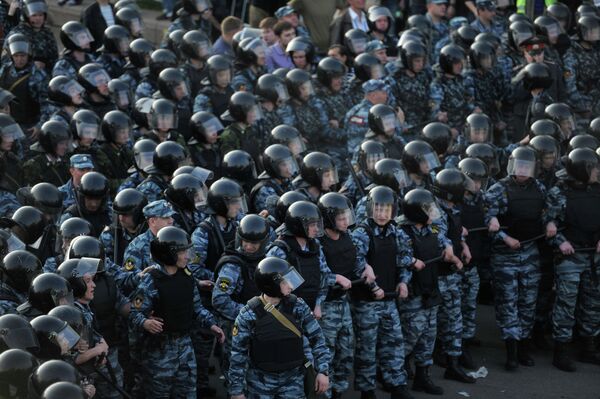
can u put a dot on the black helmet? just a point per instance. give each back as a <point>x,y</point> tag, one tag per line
<point>356,40</point>
<point>594,128</point>
<point>64,390</point>
<point>115,40</point>
<point>522,162</point>
<point>367,67</point>
<point>9,129</point>
<point>143,153</point>
<point>585,10</point>
<point>271,88</point>
<point>330,68</point>
<point>476,170</point>
<point>86,247</point>
<point>130,202</point>
<point>131,19</point>
<point>19,268</point>
<point>379,197</point>
<point>412,35</point>
<point>222,194</point>
<point>314,166</point>
<point>28,224</point>
<point>18,43</point>
<point>583,141</point>
<point>519,32</point>
<point>216,64</point>
<point>411,50</point>
<point>121,94</point>
<point>140,51</point>
<point>580,163</point>
<point>369,153</point>
<point>75,36</point>
<point>285,201</point>
<point>116,124</point>
<point>464,36</point>
<point>85,124</point>
<point>195,45</point>
<point>478,125</point>
<point>16,365</point>
<point>168,156</point>
<point>161,59</point>
<point>487,154</point>
<point>92,77</point>
<point>186,192</point>
<point>290,137</point>
<point>439,136</point>
<point>241,105</point>
<point>197,6</point>
<point>561,114</point>
<point>47,198</point>
<point>239,166</point>
<point>71,314</point>
<point>281,72</point>
<point>53,133</point>
<point>561,12</point>
<point>547,27</point>
<point>588,28</point>
<point>140,112</point>
<point>169,80</point>
<point>279,162</point>
<point>163,115</point>
<point>255,229</point>
<point>334,205</point>
<point>419,153</point>
<point>62,90</point>
<point>376,12</point>
<point>300,215</point>
<point>296,78</point>
<point>174,40</point>
<point>51,372</point>
<point>168,243</point>
<point>382,120</point>
<point>74,271</point>
<point>93,185</point>
<point>450,185</point>
<point>489,38</point>
<point>419,206</point>
<point>391,173</point>
<point>301,43</point>
<point>48,290</point>
<point>535,76</point>
<point>451,54</point>
<point>545,145</point>
<point>271,272</point>
<point>31,7</point>
<point>16,333</point>
<point>546,127</point>
<point>204,125</point>
<point>251,50</point>
<point>69,229</point>
<point>482,55</point>
<point>420,22</point>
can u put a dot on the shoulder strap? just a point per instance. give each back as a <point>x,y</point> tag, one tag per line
<point>280,317</point>
<point>19,81</point>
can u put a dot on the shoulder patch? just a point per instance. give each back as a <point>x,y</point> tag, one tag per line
<point>129,265</point>
<point>435,229</point>
<point>242,88</point>
<point>358,120</point>
<point>224,284</point>
<point>138,301</point>
<point>235,330</point>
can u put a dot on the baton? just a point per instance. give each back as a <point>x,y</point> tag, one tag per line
<point>483,228</point>
<point>359,281</point>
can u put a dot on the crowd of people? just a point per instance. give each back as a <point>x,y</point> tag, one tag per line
<point>303,204</point>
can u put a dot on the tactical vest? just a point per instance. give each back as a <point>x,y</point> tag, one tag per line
<point>273,347</point>
<point>159,181</point>
<point>27,110</point>
<point>218,100</point>
<point>207,159</point>
<point>269,182</point>
<point>341,258</point>
<point>218,240</point>
<point>454,234</point>
<point>525,206</point>
<point>472,216</point>
<point>120,159</point>
<point>103,306</point>
<point>175,302</point>
<point>307,263</point>
<point>99,220</point>
<point>382,258</point>
<point>582,215</point>
<point>247,269</point>
<point>424,283</point>
<point>184,114</point>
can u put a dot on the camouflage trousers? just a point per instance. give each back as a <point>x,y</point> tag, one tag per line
<point>577,298</point>
<point>336,325</point>
<point>419,328</point>
<point>470,289</point>
<point>287,384</point>
<point>378,342</point>
<point>516,282</point>
<point>450,323</point>
<point>170,368</point>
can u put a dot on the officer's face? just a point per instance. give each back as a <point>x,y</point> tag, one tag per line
<point>292,19</point>
<point>223,78</point>
<point>285,288</point>
<point>382,24</point>
<point>378,97</point>
<point>286,37</point>
<point>92,204</point>
<point>250,247</point>
<point>159,223</point>
<point>6,143</point>
<point>126,221</point>
<point>312,230</point>
<point>342,222</point>
<point>382,214</point>
<point>183,258</point>
<point>180,91</point>
<point>336,53</point>
<point>90,285</point>
<point>61,148</point>
<point>77,174</point>
<point>327,180</point>
<point>299,59</point>
<point>457,68</point>
<point>5,109</point>
<point>336,84</point>
<point>122,136</point>
<point>534,56</point>
<point>437,10</point>
<point>478,135</point>
<point>381,56</point>
<point>548,161</point>
<point>37,20</point>
<point>594,175</point>
<point>418,64</point>
<point>20,60</point>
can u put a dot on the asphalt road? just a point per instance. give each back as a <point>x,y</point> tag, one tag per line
<point>542,381</point>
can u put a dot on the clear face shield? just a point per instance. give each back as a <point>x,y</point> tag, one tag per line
<point>212,127</point>
<point>306,89</point>
<point>345,219</point>
<point>97,78</point>
<point>520,168</point>
<point>548,159</point>
<point>236,206</point>
<point>296,146</point>
<point>329,178</point>
<point>203,49</point>
<point>288,168</point>
<point>553,32</point>
<point>520,37</point>
<point>591,35</point>
<point>74,90</point>
<point>402,178</point>
<point>429,162</point>
<point>200,197</point>
<point>568,126</point>
<point>358,45</point>
<point>86,267</point>
<point>19,48</point>
<point>594,174</point>
<point>313,228</point>
<point>143,159</point>
<point>478,134</point>
<point>163,122</point>
<point>254,114</point>
<point>38,7</point>
<point>88,130</point>
<point>222,78</point>
<point>389,124</point>
<point>122,98</point>
<point>282,93</point>
<point>292,278</point>
<point>136,26</point>
<point>82,39</point>
<point>432,211</point>
<point>487,62</point>
<point>371,160</point>
<point>66,339</point>
<point>377,72</point>
<point>250,247</point>
<point>14,243</point>
<point>380,213</point>
<point>12,133</point>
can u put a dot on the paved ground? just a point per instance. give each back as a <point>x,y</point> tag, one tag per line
<point>542,381</point>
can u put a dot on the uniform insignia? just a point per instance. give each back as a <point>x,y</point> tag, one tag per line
<point>358,120</point>
<point>234,330</point>
<point>138,301</point>
<point>567,74</point>
<point>242,88</point>
<point>196,259</point>
<point>224,284</point>
<point>435,230</point>
<point>129,266</point>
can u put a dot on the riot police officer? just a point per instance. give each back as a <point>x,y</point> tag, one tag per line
<point>187,195</point>
<point>318,175</point>
<point>115,157</point>
<point>168,156</point>
<point>49,166</point>
<point>46,291</point>
<point>205,129</point>
<point>17,271</point>
<point>69,229</point>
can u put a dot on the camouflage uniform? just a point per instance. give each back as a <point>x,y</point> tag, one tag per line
<point>107,238</point>
<point>134,180</point>
<point>245,78</point>
<point>69,194</point>
<point>494,28</point>
<point>266,194</point>
<point>351,189</point>
<point>43,43</point>
<point>68,66</point>
<point>40,169</point>
<point>356,124</point>
<point>146,88</point>
<point>336,104</point>
<point>489,90</point>
<point>452,95</point>
<point>52,263</point>
<point>439,31</point>
<point>213,100</point>
<point>581,77</point>
<point>8,204</point>
<point>114,65</point>
<point>10,299</point>
<point>153,187</point>
<point>412,94</point>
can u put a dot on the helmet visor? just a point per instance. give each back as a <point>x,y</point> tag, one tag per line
<point>254,114</point>
<point>478,134</point>
<point>203,49</point>
<point>66,339</point>
<point>212,126</point>
<point>72,89</point>
<point>122,98</point>
<point>377,71</point>
<point>38,7</point>
<point>486,61</point>
<point>97,78</point>
<point>357,45</point>
<point>236,206</point>
<point>221,78</point>
<point>429,162</point>
<point>401,177</point>
<point>14,243</point>
<point>388,123</point>
<point>19,338</point>
<point>282,92</point>
<point>553,31</point>
<point>164,121</point>
<point>288,168</point>
<point>567,126</point>
<point>88,130</point>
<point>371,160</point>
<point>345,218</point>
<point>520,37</point>
<point>432,211</point>
<point>62,298</point>
<point>296,146</point>
<point>313,227</point>
<point>380,211</point>
<point>592,35</point>
<point>329,178</point>
<point>143,159</point>
<point>470,185</point>
<point>136,26</point>
<point>200,197</point>
<point>86,266</point>
<point>82,38</point>
<point>12,132</point>
<point>202,174</point>
<point>292,278</point>
<point>19,47</point>
<point>307,88</point>
<point>521,168</point>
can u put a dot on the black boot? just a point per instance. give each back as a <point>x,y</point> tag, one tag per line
<point>473,342</point>
<point>465,359</point>
<point>589,353</point>
<point>455,372</point>
<point>439,358</point>
<point>368,395</point>
<point>512,361</point>
<point>409,371</point>
<point>400,392</point>
<point>523,353</point>
<point>562,360</point>
<point>423,382</point>
<point>539,337</point>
